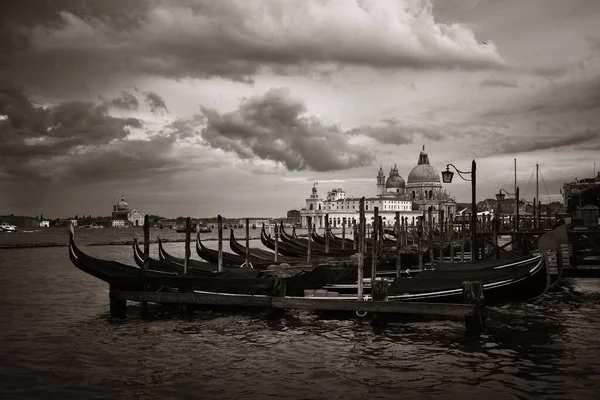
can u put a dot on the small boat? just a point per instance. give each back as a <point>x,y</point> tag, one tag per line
<point>6,227</point>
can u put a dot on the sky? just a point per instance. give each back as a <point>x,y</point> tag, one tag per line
<point>237,107</point>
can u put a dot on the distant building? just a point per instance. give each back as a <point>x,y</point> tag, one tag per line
<point>44,224</point>
<point>423,190</point>
<point>574,189</point>
<point>123,216</point>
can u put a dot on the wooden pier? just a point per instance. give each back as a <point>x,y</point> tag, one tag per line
<point>472,311</point>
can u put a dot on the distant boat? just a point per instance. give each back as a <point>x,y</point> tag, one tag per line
<point>6,227</point>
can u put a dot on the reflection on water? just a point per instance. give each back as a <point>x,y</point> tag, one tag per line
<point>57,341</point>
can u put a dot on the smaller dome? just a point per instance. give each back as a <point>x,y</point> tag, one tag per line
<point>123,205</point>
<point>395,182</point>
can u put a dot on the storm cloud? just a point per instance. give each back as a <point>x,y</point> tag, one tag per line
<point>232,39</point>
<point>77,143</point>
<point>273,127</point>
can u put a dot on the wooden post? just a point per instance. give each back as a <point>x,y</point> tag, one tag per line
<point>420,235</point>
<point>374,250</point>
<point>144,304</point>
<point>308,247</point>
<point>431,255</point>
<point>343,235</point>
<point>361,250</point>
<point>398,246</point>
<point>473,294</point>
<point>279,290</point>
<point>354,236</point>
<point>326,233</point>
<point>381,236</point>
<point>442,232</point>
<point>451,236</point>
<point>412,231</point>
<point>247,255</point>
<point>379,290</point>
<point>276,242</point>
<point>186,259</point>
<point>220,243</point>
<point>462,239</point>
<point>118,307</point>
<point>495,224</point>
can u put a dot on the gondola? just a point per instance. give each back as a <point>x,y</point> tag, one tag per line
<point>260,254</point>
<point>229,259</point>
<point>507,282</point>
<point>195,267</point>
<point>126,277</point>
<point>296,248</point>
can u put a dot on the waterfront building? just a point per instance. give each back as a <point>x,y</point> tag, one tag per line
<point>123,215</point>
<point>422,190</point>
<point>44,224</point>
<point>572,190</point>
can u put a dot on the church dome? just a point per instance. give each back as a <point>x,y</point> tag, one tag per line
<point>423,172</point>
<point>123,205</point>
<point>395,182</point>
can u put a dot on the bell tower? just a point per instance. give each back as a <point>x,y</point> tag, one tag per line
<point>380,182</point>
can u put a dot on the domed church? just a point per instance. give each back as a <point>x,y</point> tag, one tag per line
<point>423,187</point>
<point>123,216</point>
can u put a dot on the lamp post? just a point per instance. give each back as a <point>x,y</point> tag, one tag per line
<point>447,178</point>
<point>500,196</point>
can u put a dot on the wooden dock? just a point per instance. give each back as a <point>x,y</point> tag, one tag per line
<point>472,310</point>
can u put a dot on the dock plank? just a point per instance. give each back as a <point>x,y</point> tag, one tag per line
<point>333,304</point>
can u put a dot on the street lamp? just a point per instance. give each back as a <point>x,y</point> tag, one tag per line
<point>447,178</point>
<point>500,196</point>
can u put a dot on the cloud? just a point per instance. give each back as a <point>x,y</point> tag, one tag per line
<point>516,145</point>
<point>392,131</point>
<point>79,143</point>
<point>125,101</point>
<point>155,102</point>
<point>273,127</point>
<point>499,83</point>
<point>234,39</point>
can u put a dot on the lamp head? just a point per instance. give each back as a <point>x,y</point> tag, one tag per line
<point>500,196</point>
<point>447,175</point>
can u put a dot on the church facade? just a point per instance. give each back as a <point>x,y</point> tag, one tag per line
<point>422,190</point>
<point>123,216</point>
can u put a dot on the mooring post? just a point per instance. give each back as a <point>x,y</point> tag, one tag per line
<point>431,254</point>
<point>247,254</point>
<point>276,243</point>
<point>463,239</point>
<point>343,235</point>
<point>279,290</point>
<point>379,292</point>
<point>220,243</point>
<point>473,294</point>
<point>144,309</point>
<point>412,231</point>
<point>398,245</point>
<point>381,236</point>
<point>326,233</point>
<point>495,248</point>
<point>361,248</point>
<point>354,236</point>
<point>186,260</point>
<point>309,239</point>
<point>187,309</point>
<point>451,236</point>
<point>374,238</point>
<point>442,234</point>
<point>118,307</point>
<point>420,235</point>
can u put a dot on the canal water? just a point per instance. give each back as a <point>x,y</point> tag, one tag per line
<point>57,341</point>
